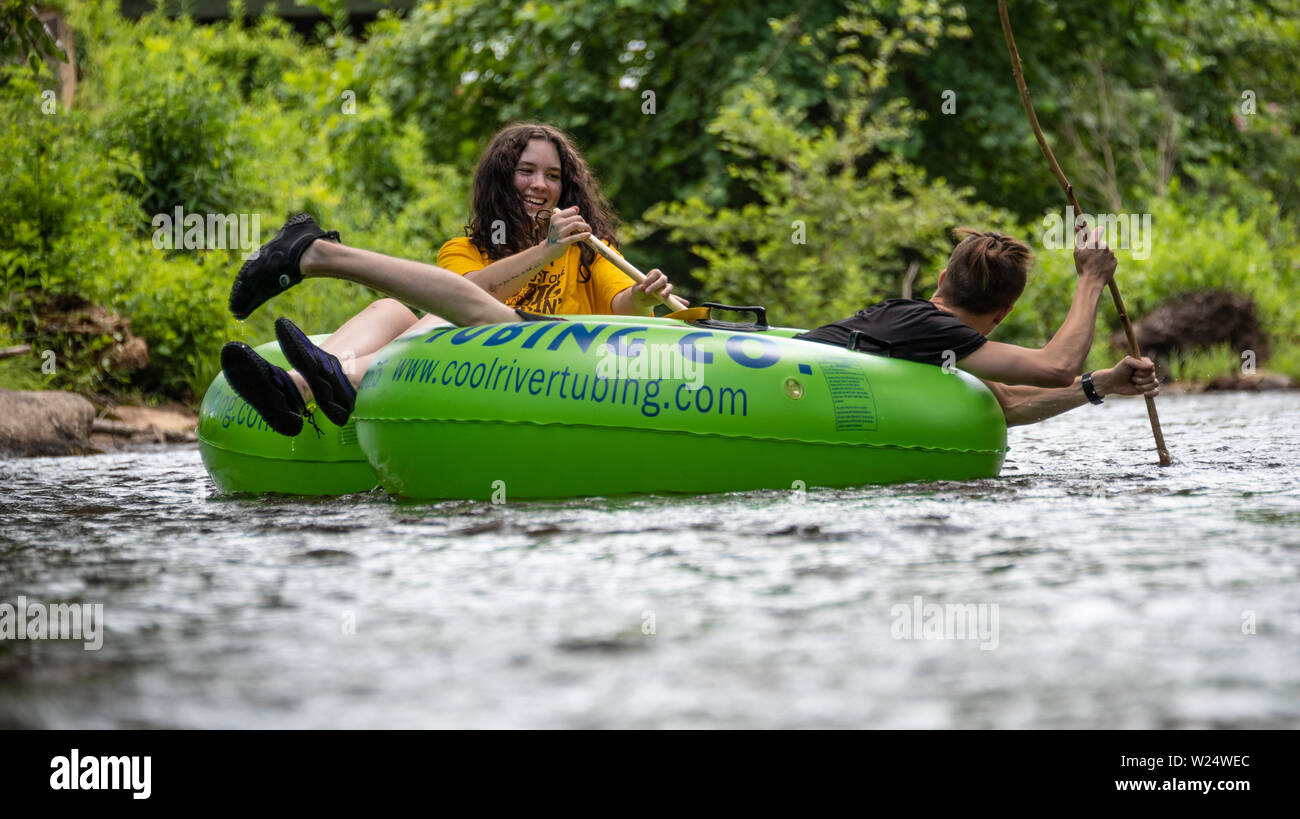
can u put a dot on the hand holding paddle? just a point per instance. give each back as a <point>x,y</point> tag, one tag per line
<point>618,261</point>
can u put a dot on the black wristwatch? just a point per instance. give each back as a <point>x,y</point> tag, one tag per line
<point>1089,390</point>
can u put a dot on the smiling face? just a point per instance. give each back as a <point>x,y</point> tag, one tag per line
<point>526,171</point>
<point>537,177</point>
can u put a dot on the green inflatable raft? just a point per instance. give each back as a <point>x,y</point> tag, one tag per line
<point>609,405</point>
<point>243,454</point>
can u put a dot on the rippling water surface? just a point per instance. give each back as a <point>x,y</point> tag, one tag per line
<point>1126,595</point>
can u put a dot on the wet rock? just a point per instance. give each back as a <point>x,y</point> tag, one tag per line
<point>126,426</point>
<point>45,423</point>
<point>1198,321</point>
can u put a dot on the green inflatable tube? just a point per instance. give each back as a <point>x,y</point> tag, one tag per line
<point>613,405</point>
<point>243,454</point>
<point>609,405</point>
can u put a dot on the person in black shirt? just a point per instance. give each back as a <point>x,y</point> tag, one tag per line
<point>985,276</point>
<point>914,329</point>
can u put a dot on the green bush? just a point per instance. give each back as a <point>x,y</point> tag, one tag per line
<point>247,120</point>
<point>837,213</point>
<point>153,94</point>
<point>53,195</point>
<point>1199,366</point>
<point>1195,246</point>
<point>64,221</point>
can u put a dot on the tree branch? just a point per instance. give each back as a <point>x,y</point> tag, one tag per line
<point>1016,70</point>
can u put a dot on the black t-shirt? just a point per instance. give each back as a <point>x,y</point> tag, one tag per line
<point>913,329</point>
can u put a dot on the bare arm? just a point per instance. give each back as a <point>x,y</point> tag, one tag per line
<point>506,277</point>
<point>1010,364</point>
<point>1028,405</point>
<point>1058,363</point>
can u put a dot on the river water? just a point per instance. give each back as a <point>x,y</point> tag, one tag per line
<point>1093,588</point>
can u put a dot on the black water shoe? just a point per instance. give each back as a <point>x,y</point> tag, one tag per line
<point>267,388</point>
<point>273,269</point>
<point>329,385</point>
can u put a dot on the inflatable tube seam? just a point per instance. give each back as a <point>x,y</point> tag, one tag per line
<point>695,434</point>
<point>290,459</point>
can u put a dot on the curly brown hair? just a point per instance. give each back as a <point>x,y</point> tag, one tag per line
<point>496,197</point>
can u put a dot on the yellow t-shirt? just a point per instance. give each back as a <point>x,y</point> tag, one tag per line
<point>555,289</point>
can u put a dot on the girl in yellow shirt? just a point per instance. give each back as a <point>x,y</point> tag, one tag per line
<point>525,257</point>
<point>516,251</point>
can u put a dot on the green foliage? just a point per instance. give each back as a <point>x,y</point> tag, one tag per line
<point>1200,366</point>
<point>166,99</point>
<point>23,373</point>
<point>461,69</point>
<point>1286,360</point>
<point>54,183</point>
<point>62,218</point>
<point>216,119</point>
<point>1130,96</point>
<point>1198,243</point>
<point>24,37</point>
<point>836,213</point>
<point>828,115</point>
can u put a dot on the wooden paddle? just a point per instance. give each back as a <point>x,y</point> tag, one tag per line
<point>1016,70</point>
<point>626,266</point>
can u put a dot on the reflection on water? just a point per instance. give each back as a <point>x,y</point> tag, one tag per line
<point>1121,593</point>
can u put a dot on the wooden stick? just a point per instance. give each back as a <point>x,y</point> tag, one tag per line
<point>1018,72</point>
<point>18,349</point>
<point>623,264</point>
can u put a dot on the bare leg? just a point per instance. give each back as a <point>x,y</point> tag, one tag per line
<point>430,288</point>
<point>427,323</point>
<point>365,334</point>
<point>379,323</point>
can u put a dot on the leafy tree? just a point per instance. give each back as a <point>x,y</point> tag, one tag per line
<point>1130,96</point>
<point>24,37</point>
<point>839,212</point>
<point>634,81</point>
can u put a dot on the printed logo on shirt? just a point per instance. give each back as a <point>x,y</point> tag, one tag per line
<point>542,294</point>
